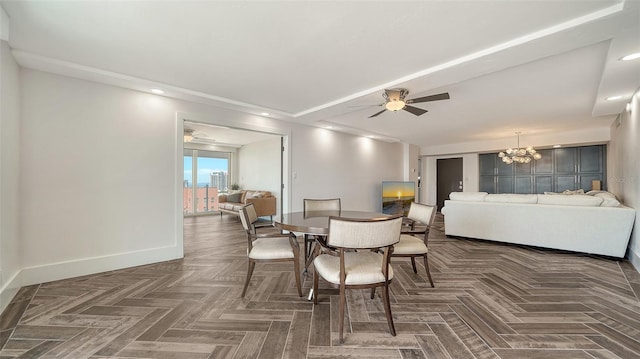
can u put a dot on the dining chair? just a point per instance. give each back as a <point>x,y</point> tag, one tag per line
<point>317,205</point>
<point>254,220</point>
<point>356,255</point>
<point>414,242</point>
<point>275,247</point>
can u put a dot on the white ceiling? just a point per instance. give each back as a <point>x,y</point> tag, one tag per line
<point>531,66</point>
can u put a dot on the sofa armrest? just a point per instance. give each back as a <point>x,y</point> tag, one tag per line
<point>265,206</point>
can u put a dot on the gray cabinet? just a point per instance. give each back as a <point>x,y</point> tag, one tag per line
<point>558,170</point>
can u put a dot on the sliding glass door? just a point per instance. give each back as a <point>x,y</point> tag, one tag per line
<point>206,173</point>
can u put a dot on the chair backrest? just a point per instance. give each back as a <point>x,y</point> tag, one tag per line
<point>422,213</point>
<point>251,213</point>
<point>245,218</point>
<point>364,233</point>
<point>330,204</point>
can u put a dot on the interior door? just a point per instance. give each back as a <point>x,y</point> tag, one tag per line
<point>449,178</point>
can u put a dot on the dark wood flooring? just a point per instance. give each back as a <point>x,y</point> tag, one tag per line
<point>491,301</point>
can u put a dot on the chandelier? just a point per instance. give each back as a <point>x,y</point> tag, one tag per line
<point>518,154</point>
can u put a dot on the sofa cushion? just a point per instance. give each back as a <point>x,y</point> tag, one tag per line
<point>573,200</point>
<point>227,205</point>
<point>512,198</point>
<point>234,197</point>
<point>467,196</point>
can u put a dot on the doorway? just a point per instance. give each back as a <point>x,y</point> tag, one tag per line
<point>448,179</point>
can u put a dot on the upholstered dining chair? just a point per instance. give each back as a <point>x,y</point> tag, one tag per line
<point>355,255</point>
<point>414,242</point>
<point>276,247</point>
<point>317,205</point>
<point>254,220</point>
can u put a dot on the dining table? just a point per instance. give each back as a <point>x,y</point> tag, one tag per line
<point>316,223</point>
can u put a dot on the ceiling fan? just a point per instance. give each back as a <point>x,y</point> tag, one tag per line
<point>395,101</point>
<point>191,135</point>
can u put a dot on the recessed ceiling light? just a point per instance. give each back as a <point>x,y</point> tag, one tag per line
<point>157,91</point>
<point>557,146</point>
<point>329,127</point>
<point>631,57</point>
<point>613,98</point>
<point>265,113</point>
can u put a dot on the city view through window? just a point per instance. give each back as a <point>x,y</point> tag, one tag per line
<point>210,175</point>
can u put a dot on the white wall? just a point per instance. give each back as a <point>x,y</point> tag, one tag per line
<point>97,174</point>
<point>259,167</point>
<point>329,164</point>
<point>102,173</point>
<point>10,262</point>
<point>623,175</point>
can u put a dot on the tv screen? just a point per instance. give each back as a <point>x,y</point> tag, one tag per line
<point>397,196</point>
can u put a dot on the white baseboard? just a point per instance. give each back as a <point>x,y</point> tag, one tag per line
<point>9,290</point>
<point>634,258</point>
<point>86,266</point>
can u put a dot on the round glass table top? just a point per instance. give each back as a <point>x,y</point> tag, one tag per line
<point>317,222</point>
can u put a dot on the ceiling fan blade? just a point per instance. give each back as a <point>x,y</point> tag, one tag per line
<point>440,96</point>
<point>377,113</point>
<point>414,110</point>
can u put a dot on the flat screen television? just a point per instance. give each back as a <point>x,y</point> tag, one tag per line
<point>397,196</point>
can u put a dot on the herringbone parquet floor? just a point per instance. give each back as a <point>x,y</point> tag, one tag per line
<point>490,301</point>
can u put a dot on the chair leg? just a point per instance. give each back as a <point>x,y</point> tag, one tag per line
<point>413,264</point>
<point>387,309</point>
<point>306,246</point>
<point>315,287</point>
<point>343,300</point>
<point>426,266</point>
<point>373,292</point>
<point>252,265</point>
<point>296,270</point>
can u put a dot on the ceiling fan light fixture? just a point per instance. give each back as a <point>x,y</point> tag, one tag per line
<point>188,135</point>
<point>395,105</point>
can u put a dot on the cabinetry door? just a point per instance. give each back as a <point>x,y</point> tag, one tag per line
<point>567,182</point>
<point>543,184</point>
<point>566,160</point>
<point>487,184</point>
<point>505,184</point>
<point>591,159</point>
<point>487,163</point>
<point>524,184</point>
<point>545,164</point>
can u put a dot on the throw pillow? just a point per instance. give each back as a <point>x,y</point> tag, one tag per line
<point>608,199</point>
<point>234,197</point>
<point>578,191</point>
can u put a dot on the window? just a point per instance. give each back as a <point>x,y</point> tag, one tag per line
<point>206,173</point>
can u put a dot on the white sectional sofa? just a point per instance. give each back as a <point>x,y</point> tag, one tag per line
<point>591,223</point>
